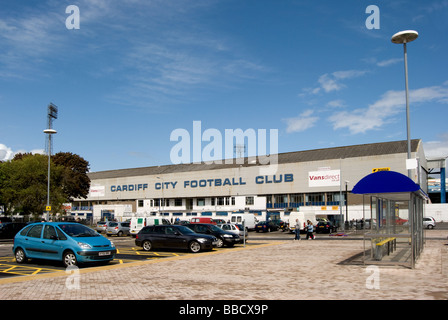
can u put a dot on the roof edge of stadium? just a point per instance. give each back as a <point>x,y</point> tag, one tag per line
<point>342,152</point>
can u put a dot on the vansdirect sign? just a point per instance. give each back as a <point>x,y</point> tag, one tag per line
<point>205,183</point>
<point>328,178</point>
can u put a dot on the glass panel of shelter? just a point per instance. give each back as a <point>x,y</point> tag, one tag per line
<point>398,219</point>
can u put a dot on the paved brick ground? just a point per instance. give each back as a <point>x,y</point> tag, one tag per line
<point>278,270</point>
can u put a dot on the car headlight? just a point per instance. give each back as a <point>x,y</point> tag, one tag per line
<point>228,236</point>
<point>83,245</point>
<point>112,244</point>
<point>202,240</point>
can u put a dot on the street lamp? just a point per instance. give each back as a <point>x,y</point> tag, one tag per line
<point>404,37</point>
<point>49,132</point>
<point>52,113</point>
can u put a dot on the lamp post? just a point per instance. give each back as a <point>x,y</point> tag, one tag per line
<point>346,200</point>
<point>49,132</point>
<point>404,37</point>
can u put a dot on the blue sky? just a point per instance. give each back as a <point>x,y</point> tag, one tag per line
<point>136,70</point>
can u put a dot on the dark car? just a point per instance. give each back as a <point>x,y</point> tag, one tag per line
<point>325,227</point>
<point>224,237</point>
<point>266,226</point>
<point>9,229</point>
<point>173,237</point>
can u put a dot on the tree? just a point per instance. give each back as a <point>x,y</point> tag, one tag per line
<point>23,181</point>
<point>75,181</point>
<point>25,188</point>
<point>7,193</point>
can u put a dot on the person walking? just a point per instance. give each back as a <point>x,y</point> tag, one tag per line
<point>309,230</point>
<point>297,230</point>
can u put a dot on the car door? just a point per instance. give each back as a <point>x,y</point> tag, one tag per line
<point>51,245</point>
<point>33,242</point>
<point>158,237</point>
<point>173,238</point>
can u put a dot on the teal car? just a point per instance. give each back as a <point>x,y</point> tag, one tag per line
<point>69,242</point>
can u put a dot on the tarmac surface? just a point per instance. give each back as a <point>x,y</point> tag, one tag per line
<point>272,270</point>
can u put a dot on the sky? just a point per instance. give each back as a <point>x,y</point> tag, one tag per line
<point>133,73</point>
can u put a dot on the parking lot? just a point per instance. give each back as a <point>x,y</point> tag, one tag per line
<point>270,267</point>
<point>127,252</point>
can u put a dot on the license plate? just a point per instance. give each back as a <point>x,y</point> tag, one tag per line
<point>215,243</point>
<point>104,253</point>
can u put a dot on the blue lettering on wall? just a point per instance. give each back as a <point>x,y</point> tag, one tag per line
<point>203,183</point>
<point>129,187</point>
<point>275,178</point>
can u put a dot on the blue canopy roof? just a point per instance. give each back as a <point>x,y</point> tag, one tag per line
<point>385,182</point>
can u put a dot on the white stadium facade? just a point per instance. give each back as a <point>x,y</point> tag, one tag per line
<point>309,181</point>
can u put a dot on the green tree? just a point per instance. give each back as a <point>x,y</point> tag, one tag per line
<point>8,194</point>
<point>27,183</point>
<point>23,182</point>
<point>75,181</point>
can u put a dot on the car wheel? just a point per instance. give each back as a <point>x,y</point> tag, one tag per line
<point>430,226</point>
<point>219,243</point>
<point>69,259</point>
<point>147,245</point>
<point>194,246</point>
<point>120,233</point>
<point>20,256</point>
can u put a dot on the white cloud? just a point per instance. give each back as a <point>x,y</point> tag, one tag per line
<point>333,81</point>
<point>336,104</point>
<point>437,148</point>
<point>388,62</point>
<point>6,153</point>
<point>303,122</point>
<point>381,111</point>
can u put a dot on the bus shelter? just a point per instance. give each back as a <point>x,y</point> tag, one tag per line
<point>395,234</point>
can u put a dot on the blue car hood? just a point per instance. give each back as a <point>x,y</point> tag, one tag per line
<point>93,241</point>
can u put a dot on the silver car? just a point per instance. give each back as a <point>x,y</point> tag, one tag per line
<point>429,222</point>
<point>234,228</point>
<point>101,226</point>
<point>118,229</point>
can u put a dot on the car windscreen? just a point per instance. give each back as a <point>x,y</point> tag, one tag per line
<point>184,230</point>
<point>215,228</point>
<point>78,230</point>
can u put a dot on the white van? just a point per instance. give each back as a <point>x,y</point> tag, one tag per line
<point>250,220</point>
<point>303,218</point>
<point>137,223</point>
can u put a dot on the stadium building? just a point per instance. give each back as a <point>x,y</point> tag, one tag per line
<point>316,181</point>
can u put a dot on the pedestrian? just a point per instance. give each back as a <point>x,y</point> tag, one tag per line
<point>297,230</point>
<point>309,230</point>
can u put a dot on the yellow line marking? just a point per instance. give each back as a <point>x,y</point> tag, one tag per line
<point>62,273</point>
<point>37,271</point>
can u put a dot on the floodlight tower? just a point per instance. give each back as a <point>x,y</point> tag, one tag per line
<point>52,114</point>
